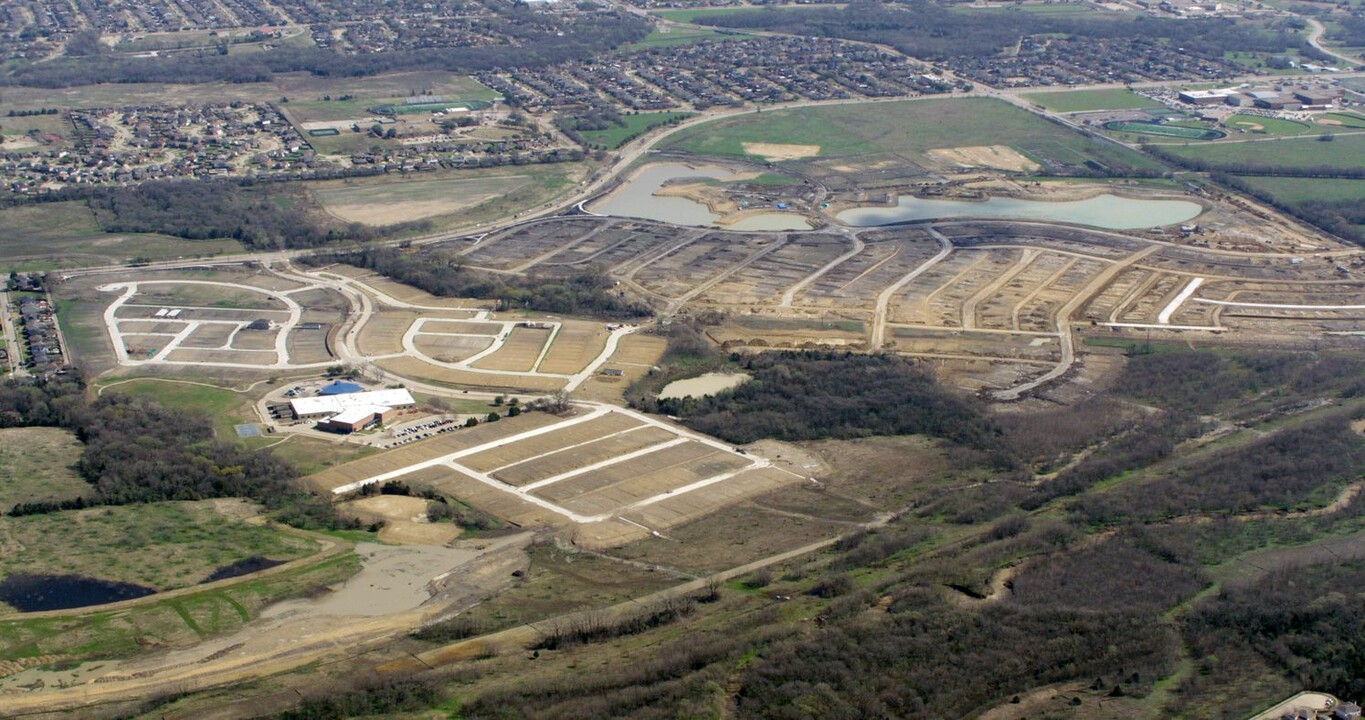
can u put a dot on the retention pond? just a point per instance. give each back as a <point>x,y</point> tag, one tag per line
<point>636,199</point>
<point>1102,211</point>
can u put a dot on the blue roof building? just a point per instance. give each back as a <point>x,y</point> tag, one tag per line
<point>340,388</point>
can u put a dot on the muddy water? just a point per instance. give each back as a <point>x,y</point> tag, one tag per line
<point>392,579</point>
<point>1103,211</point>
<point>637,199</point>
<point>702,385</point>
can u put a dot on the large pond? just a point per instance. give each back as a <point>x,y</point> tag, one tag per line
<point>637,199</point>
<point>37,592</point>
<point>702,385</point>
<point>1103,211</point>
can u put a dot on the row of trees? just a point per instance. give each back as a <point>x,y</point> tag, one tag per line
<point>589,292</point>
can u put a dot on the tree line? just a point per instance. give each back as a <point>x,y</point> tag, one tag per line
<point>529,44</point>
<point>589,292</point>
<point>935,31</point>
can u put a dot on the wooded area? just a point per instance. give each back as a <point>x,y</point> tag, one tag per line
<point>138,451</point>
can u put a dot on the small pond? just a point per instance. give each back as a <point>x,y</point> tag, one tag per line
<point>255,563</point>
<point>36,592</point>
<point>637,199</point>
<point>1103,211</point>
<point>702,385</point>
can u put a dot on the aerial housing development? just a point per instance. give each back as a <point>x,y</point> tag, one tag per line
<point>660,358</point>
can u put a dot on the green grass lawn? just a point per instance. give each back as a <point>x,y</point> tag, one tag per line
<point>1083,100</point>
<point>37,464</point>
<point>159,545</point>
<point>616,136</point>
<point>1296,190</point>
<point>1346,119</point>
<point>670,36</point>
<point>1345,151</point>
<point>910,128</point>
<point>1264,125</point>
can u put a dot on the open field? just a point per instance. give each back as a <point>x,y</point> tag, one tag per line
<point>37,464</point>
<point>669,36</point>
<point>1266,125</point>
<point>909,128</point>
<point>1083,100</point>
<point>66,235</point>
<point>409,200</point>
<point>1344,152</point>
<point>1296,190</point>
<point>158,545</point>
<point>225,407</point>
<point>617,135</point>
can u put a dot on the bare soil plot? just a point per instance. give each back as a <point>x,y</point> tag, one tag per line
<point>1039,271</point>
<point>691,266</point>
<point>321,300</point>
<point>999,157</point>
<point>418,370</point>
<point>1116,296</point>
<point>608,247</point>
<point>781,331</point>
<point>450,348</point>
<point>920,302</point>
<point>764,281</point>
<point>461,327</point>
<point>410,294</point>
<point>516,246</point>
<point>519,353</point>
<point>577,344</point>
<point>404,520</point>
<point>570,459</point>
<point>151,327</point>
<point>528,448</point>
<point>234,357</point>
<point>932,342</point>
<point>775,152</point>
<point>383,334</point>
<point>308,346</point>
<point>616,485</point>
<point>673,511</point>
<point>425,450</point>
<point>256,340</point>
<point>1158,294</point>
<point>1040,309</point>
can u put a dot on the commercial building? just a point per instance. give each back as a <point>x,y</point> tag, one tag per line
<point>357,418</point>
<point>329,405</point>
<point>1206,97</point>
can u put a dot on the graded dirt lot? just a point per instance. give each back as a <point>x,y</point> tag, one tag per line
<point>998,157</point>
<point>779,151</point>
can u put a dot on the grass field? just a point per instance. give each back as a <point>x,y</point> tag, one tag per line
<point>468,203</point>
<point>1172,131</point>
<point>616,136</point>
<point>1346,119</point>
<point>669,36</point>
<point>403,201</point>
<point>159,545</point>
<point>1296,190</point>
<point>1082,100</point>
<point>65,234</point>
<point>37,465</point>
<point>1265,125</point>
<point>688,16</point>
<point>1345,151</point>
<point>909,128</point>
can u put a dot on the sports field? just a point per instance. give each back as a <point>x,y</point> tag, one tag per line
<point>907,128</point>
<point>1172,131</point>
<point>1266,125</point>
<point>1083,100</point>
